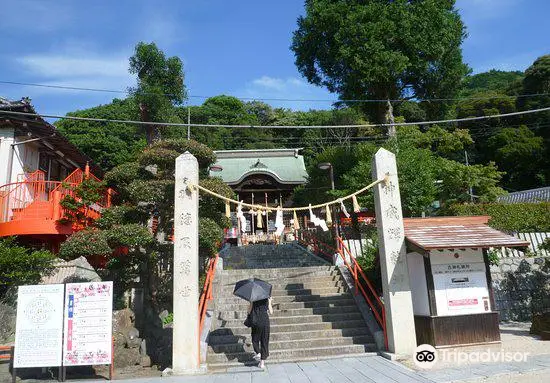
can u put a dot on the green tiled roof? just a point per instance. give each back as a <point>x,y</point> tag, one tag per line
<point>285,165</point>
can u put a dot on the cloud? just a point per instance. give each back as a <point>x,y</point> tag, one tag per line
<point>67,66</point>
<point>290,92</point>
<point>77,71</point>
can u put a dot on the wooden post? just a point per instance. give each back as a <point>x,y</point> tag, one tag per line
<point>112,365</point>
<point>12,359</point>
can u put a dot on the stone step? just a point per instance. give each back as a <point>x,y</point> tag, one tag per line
<point>221,336</point>
<point>269,265</point>
<point>252,366</point>
<point>292,283</point>
<point>240,329</point>
<point>275,258</point>
<point>288,298</point>
<point>293,312</point>
<point>281,320</point>
<point>285,272</point>
<point>331,290</point>
<point>291,344</point>
<point>294,354</point>
<point>243,305</point>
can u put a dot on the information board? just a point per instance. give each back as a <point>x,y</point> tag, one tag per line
<point>39,326</point>
<point>88,323</point>
<point>461,288</point>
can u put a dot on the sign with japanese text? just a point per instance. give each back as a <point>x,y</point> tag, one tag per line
<point>39,326</point>
<point>461,288</point>
<point>88,323</point>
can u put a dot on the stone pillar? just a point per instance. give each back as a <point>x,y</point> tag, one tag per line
<point>393,260</point>
<point>185,344</point>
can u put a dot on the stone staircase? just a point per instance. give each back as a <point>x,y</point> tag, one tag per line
<point>315,316</point>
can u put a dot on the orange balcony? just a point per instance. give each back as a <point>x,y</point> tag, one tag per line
<point>33,206</point>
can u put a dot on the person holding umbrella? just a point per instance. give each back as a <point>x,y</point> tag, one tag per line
<point>258,293</point>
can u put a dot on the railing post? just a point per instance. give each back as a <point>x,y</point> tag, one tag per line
<point>56,201</point>
<point>109,196</point>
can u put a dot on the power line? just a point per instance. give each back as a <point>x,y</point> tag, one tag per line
<point>127,92</point>
<point>274,126</point>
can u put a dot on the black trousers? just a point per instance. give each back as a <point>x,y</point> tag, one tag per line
<point>260,339</point>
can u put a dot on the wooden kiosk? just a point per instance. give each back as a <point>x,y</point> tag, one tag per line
<point>450,279</point>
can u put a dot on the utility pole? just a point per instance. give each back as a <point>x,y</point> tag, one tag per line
<point>470,191</point>
<point>390,120</point>
<point>188,123</point>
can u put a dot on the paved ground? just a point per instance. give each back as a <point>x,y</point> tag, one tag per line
<point>515,338</point>
<point>369,369</point>
<point>494,372</point>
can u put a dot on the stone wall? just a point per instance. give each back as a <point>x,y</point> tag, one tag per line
<point>521,287</point>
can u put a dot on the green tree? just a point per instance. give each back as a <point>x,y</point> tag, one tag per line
<point>159,86</point>
<point>228,110</point>
<point>373,49</point>
<point>503,82</point>
<point>108,144</point>
<point>519,153</point>
<point>146,195</point>
<point>21,266</point>
<point>426,173</point>
<point>537,81</point>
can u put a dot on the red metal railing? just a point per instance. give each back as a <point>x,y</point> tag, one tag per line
<point>370,295</point>
<point>360,279</point>
<point>35,198</point>
<point>206,294</point>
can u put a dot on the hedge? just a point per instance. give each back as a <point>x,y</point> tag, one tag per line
<point>519,217</point>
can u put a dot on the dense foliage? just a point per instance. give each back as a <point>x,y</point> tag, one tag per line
<point>382,50</point>
<point>426,171</point>
<point>518,217</point>
<point>107,143</point>
<point>159,86</point>
<point>21,266</point>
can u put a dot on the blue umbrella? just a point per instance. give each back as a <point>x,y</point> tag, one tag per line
<point>252,289</point>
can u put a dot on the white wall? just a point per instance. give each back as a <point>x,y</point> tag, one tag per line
<point>25,159</point>
<point>460,282</point>
<point>419,288</point>
<point>6,139</point>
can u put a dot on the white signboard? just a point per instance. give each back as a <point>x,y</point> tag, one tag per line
<point>88,323</point>
<point>461,288</point>
<point>39,326</point>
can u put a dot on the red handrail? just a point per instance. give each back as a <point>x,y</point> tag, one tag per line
<point>356,271</point>
<point>17,196</point>
<point>206,294</point>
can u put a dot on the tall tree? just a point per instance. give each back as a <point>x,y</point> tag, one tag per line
<point>108,143</point>
<point>159,86</point>
<point>382,49</point>
<point>519,153</point>
<point>537,81</point>
<point>503,82</point>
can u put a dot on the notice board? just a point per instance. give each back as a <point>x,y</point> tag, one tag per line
<point>88,323</point>
<point>39,326</point>
<point>461,288</point>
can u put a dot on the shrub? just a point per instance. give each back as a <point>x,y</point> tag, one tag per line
<point>86,243</point>
<point>519,217</point>
<point>210,236</point>
<point>22,266</point>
